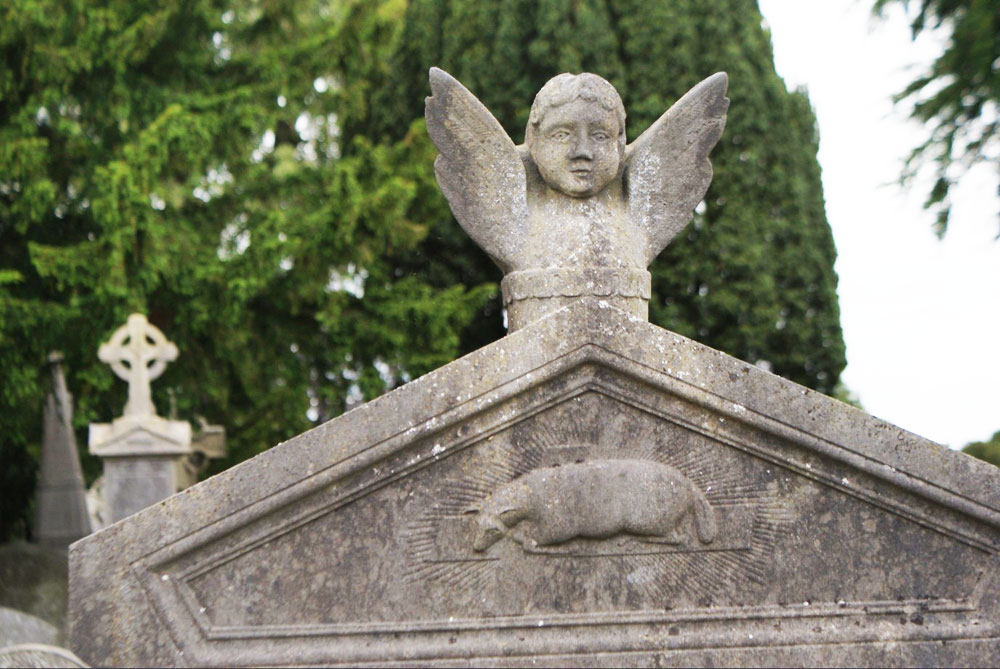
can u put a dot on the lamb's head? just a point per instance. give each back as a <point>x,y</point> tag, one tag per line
<point>489,530</point>
<point>499,512</point>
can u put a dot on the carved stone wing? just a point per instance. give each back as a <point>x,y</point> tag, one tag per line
<point>667,170</point>
<point>478,169</point>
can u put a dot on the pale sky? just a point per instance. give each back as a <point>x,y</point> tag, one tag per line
<point>921,317</point>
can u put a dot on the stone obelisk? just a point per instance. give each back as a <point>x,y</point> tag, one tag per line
<point>61,510</point>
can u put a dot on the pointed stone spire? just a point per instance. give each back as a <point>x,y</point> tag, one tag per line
<point>61,511</point>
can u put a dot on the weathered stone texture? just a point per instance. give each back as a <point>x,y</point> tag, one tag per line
<point>60,502</point>
<point>18,627</point>
<point>591,490</point>
<point>33,579</point>
<point>573,211</point>
<point>444,523</point>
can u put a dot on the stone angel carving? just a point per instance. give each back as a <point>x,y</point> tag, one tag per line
<point>573,211</point>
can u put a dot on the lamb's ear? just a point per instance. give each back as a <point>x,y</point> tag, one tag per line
<point>507,516</point>
<point>469,510</point>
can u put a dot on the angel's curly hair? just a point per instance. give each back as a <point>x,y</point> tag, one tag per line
<point>565,88</point>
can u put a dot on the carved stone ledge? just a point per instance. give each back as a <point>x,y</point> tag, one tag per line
<point>531,294</point>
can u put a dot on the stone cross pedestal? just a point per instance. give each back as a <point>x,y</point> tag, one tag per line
<point>140,449</point>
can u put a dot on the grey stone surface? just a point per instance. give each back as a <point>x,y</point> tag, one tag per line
<point>573,211</point>
<point>18,627</point>
<point>34,579</point>
<point>590,490</point>
<point>60,507</point>
<point>38,655</point>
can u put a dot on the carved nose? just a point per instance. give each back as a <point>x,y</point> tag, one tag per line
<point>582,148</point>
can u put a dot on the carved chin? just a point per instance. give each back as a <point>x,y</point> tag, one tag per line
<point>581,190</point>
<point>578,185</point>
<point>486,538</point>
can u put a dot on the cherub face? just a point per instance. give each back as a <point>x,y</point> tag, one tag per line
<point>576,148</point>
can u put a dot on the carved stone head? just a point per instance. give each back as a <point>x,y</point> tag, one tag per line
<point>560,224</point>
<point>576,134</point>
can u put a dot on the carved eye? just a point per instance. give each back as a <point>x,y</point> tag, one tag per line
<point>601,136</point>
<point>560,135</point>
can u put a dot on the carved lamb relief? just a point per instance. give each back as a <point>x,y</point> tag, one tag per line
<point>596,500</point>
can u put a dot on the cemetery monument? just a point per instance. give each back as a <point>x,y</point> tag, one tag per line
<point>589,490</point>
<point>146,457</point>
<point>60,504</point>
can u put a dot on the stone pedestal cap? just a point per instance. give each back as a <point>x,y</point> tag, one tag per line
<point>131,436</point>
<point>531,294</point>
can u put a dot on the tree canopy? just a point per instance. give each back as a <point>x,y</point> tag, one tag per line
<point>186,161</point>
<point>988,451</point>
<point>957,98</point>
<point>256,177</point>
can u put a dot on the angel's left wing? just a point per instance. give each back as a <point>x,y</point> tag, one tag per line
<point>667,170</point>
<point>478,169</point>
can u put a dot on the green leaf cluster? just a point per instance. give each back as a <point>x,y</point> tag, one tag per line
<point>957,98</point>
<point>988,451</point>
<point>190,160</point>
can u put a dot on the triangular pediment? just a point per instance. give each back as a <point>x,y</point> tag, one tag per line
<point>589,484</point>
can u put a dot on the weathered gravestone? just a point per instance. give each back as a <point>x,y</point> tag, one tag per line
<point>34,579</point>
<point>38,655</point>
<point>18,627</point>
<point>592,489</point>
<point>27,641</point>
<point>139,449</point>
<point>60,503</point>
<point>146,457</point>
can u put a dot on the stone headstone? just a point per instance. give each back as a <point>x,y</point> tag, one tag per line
<point>146,457</point>
<point>589,490</point>
<point>60,507</point>
<point>34,580</point>
<point>18,627</point>
<point>38,655</point>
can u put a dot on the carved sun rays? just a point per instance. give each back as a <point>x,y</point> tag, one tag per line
<point>667,576</point>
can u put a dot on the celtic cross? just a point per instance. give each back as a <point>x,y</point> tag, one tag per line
<point>138,353</point>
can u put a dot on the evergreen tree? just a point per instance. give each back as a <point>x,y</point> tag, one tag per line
<point>753,275</point>
<point>988,451</point>
<point>185,160</point>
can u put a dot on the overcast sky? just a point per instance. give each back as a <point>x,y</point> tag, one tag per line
<point>921,317</point>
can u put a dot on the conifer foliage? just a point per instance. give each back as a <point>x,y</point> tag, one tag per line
<point>186,160</point>
<point>256,177</point>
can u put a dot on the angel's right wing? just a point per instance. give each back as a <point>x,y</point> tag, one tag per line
<point>478,169</point>
<point>667,169</point>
